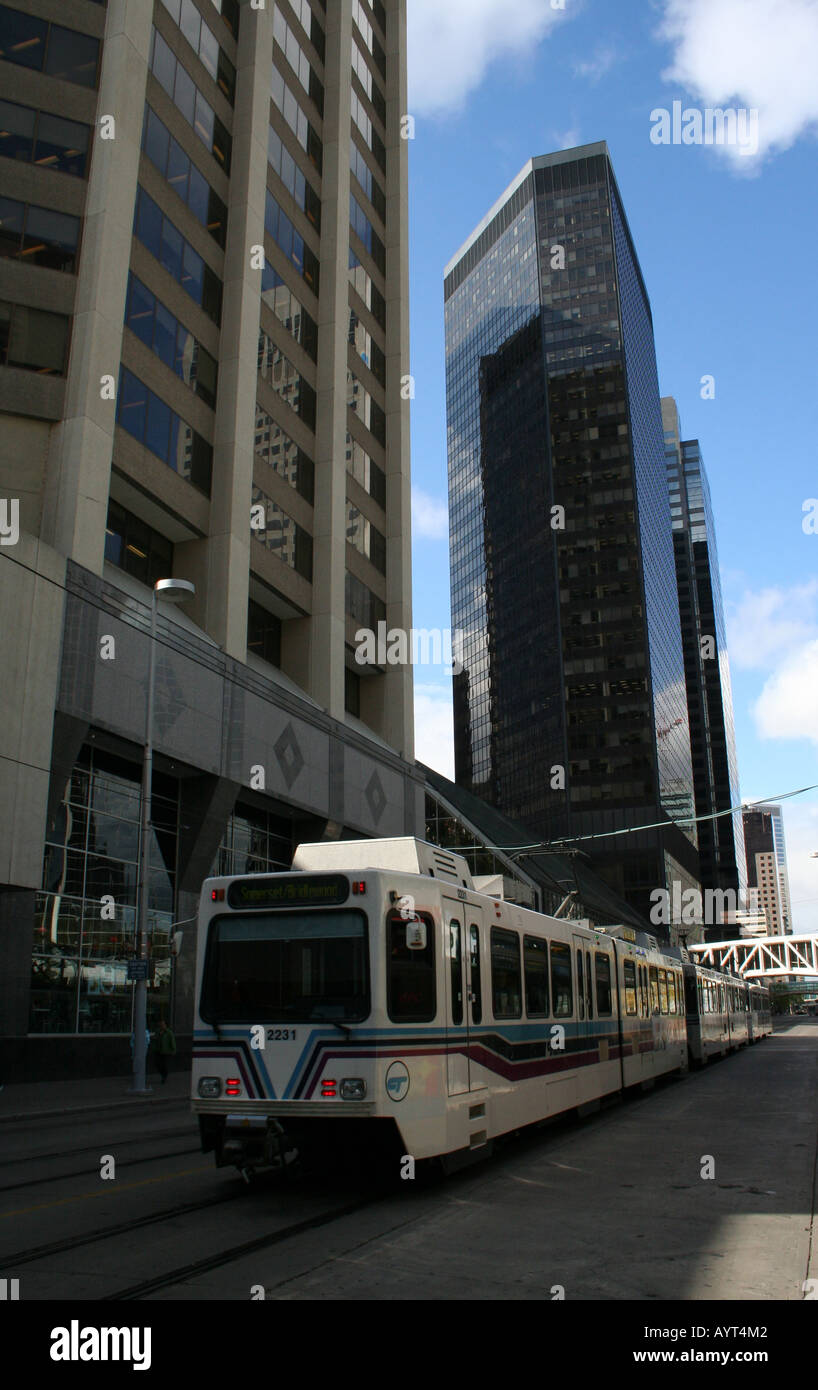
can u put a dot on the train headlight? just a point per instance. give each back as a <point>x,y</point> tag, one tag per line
<point>210,1086</point>
<point>353,1088</point>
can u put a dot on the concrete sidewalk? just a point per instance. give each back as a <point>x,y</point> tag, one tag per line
<point>44,1099</point>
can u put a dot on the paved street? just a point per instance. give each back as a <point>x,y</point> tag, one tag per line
<point>611,1208</point>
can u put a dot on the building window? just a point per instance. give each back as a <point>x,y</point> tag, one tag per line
<point>35,137</point>
<point>183,176</point>
<point>296,118</point>
<point>366,408</point>
<point>365,537</point>
<point>364,607</point>
<point>363,228</point>
<point>33,339</point>
<point>254,842</point>
<point>263,634</point>
<point>352,693</point>
<point>289,310</point>
<point>367,349</point>
<point>287,382</point>
<point>279,533</point>
<point>147,317</point>
<point>34,43</point>
<point>283,455</point>
<point>367,472</point>
<point>298,60</point>
<point>204,44</point>
<point>164,241</point>
<point>152,422</point>
<point>135,547</point>
<point>186,97</point>
<point>291,242</point>
<point>79,962</point>
<point>362,284</point>
<point>38,235</point>
<point>293,178</point>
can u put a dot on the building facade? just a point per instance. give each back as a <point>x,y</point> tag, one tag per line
<point>767,866</point>
<point>570,712</point>
<point>204,309</point>
<point>707,668</point>
<point>780,846</point>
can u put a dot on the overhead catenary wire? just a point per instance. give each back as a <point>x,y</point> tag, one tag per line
<point>562,846</point>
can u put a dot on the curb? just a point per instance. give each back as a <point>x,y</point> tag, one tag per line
<point>125,1104</point>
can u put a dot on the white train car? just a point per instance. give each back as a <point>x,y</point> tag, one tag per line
<point>373,997</point>
<point>760,1016</point>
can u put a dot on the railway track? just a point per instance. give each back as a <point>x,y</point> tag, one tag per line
<point>119,1144</point>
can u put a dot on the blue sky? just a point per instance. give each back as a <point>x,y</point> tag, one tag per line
<point>727,244</point>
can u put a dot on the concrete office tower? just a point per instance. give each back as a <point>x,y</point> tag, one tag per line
<point>204,300</point>
<point>767,865</point>
<point>780,846</point>
<point>707,669</point>
<point>570,713</point>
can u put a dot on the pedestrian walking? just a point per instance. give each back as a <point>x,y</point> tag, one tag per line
<point>165,1048</point>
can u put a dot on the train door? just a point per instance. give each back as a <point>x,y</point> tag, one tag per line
<point>457,1009</point>
<point>581,998</point>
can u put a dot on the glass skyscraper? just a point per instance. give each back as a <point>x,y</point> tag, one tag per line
<point>570,711</point>
<point>707,669</point>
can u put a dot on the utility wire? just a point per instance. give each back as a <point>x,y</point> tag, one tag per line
<point>556,846</point>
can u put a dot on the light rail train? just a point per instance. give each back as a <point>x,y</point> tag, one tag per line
<point>373,999</point>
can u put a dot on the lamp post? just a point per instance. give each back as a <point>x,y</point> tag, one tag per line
<point>174,591</point>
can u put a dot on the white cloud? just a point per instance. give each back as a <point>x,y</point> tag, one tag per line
<point>453,42</point>
<point>595,67</point>
<point>568,140</point>
<point>770,625</point>
<point>752,53</point>
<point>430,517</point>
<point>434,728</point>
<point>788,705</point>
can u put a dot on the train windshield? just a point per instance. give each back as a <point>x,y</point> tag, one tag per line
<point>298,967</point>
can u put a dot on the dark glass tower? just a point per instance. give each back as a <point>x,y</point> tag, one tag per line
<point>707,670</point>
<point>570,714</point>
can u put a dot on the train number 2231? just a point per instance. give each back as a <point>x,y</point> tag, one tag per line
<point>280,1034</point>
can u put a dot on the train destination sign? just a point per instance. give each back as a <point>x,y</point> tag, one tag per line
<point>299,890</point>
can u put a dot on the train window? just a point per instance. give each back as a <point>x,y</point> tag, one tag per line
<point>662,991</point>
<point>456,971</point>
<point>580,987</point>
<point>506,980</point>
<point>671,992</point>
<point>603,985</point>
<point>474,968</point>
<point>654,990</point>
<point>535,958</point>
<point>410,977</point>
<point>692,999</point>
<point>643,991</point>
<point>630,988</point>
<point>589,986</point>
<point>561,991</point>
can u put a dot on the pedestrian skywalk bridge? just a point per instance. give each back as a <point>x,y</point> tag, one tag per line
<point>759,957</point>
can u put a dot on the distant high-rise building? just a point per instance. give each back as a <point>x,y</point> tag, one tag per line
<point>707,670</point>
<point>570,712</point>
<point>764,866</point>
<point>203,335</point>
<point>780,847</point>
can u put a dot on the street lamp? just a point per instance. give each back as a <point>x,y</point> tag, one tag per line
<point>173,591</point>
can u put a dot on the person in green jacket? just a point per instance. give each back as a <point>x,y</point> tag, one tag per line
<point>165,1048</point>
